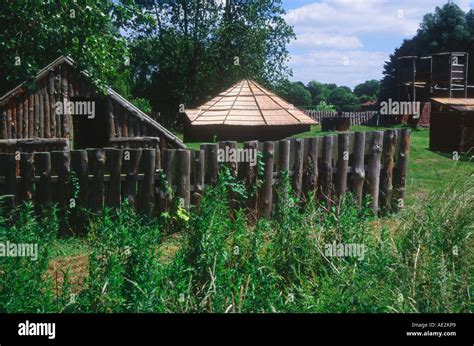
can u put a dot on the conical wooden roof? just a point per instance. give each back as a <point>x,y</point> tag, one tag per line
<point>247,103</point>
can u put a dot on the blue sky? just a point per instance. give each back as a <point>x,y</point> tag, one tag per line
<point>347,41</point>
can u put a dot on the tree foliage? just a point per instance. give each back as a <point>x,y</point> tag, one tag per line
<point>295,93</point>
<point>34,33</point>
<point>369,89</point>
<point>190,50</point>
<point>448,29</point>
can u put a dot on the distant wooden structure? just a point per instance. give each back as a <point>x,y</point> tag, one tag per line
<point>245,111</point>
<point>441,75</point>
<point>414,85</point>
<point>370,105</point>
<point>449,74</point>
<point>340,123</point>
<point>31,121</point>
<point>452,125</point>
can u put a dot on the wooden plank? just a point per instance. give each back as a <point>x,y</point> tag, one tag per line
<point>250,176</point>
<point>33,142</point>
<point>80,167</point>
<point>124,117</point>
<point>164,193</point>
<point>44,188</point>
<point>131,166</point>
<point>284,164</point>
<point>131,125</point>
<point>41,93</point>
<point>401,169</point>
<point>267,191</point>
<point>20,116</point>
<point>47,115</point>
<point>168,165</point>
<point>61,161</point>
<point>70,81</point>
<point>113,158</point>
<point>146,187</point>
<point>183,190</point>
<point>31,115</point>
<point>198,177</point>
<point>110,118</point>
<point>212,166</point>
<point>117,120</point>
<point>37,116</point>
<point>297,179</point>
<point>8,168</point>
<point>358,170</point>
<point>373,170</point>
<point>9,121</point>
<point>3,124</point>
<point>63,96</point>
<point>14,120</point>
<point>157,155</point>
<point>326,186</point>
<point>25,116</point>
<point>234,165</point>
<point>342,164</point>
<point>284,155</point>
<point>138,128</point>
<point>386,179</point>
<point>312,173</point>
<point>27,177</point>
<point>97,167</point>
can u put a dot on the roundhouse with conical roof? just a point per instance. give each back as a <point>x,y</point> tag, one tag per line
<point>245,111</point>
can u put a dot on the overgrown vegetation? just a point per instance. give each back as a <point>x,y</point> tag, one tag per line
<point>420,261</point>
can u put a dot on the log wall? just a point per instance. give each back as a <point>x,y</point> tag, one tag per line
<point>371,164</point>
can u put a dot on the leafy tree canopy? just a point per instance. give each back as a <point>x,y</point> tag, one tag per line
<point>447,29</point>
<point>295,93</point>
<point>370,89</point>
<point>34,33</point>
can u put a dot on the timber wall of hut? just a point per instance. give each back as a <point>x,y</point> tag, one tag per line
<point>29,121</point>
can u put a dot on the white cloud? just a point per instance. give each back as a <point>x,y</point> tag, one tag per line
<point>349,17</point>
<point>312,40</point>
<point>349,67</point>
<point>329,30</point>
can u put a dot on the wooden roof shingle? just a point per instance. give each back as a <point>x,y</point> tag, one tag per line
<point>247,103</point>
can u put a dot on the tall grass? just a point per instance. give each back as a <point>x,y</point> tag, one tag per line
<point>420,260</point>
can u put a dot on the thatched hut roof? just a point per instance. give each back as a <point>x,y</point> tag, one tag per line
<point>247,103</point>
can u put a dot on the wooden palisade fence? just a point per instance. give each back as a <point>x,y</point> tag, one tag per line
<point>356,118</point>
<point>367,118</point>
<point>373,163</point>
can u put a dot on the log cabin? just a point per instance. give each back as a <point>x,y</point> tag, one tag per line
<point>65,111</point>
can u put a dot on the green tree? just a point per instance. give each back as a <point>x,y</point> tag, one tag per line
<point>295,93</point>
<point>319,91</point>
<point>34,33</point>
<point>343,99</point>
<point>323,106</point>
<point>192,49</point>
<point>370,88</point>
